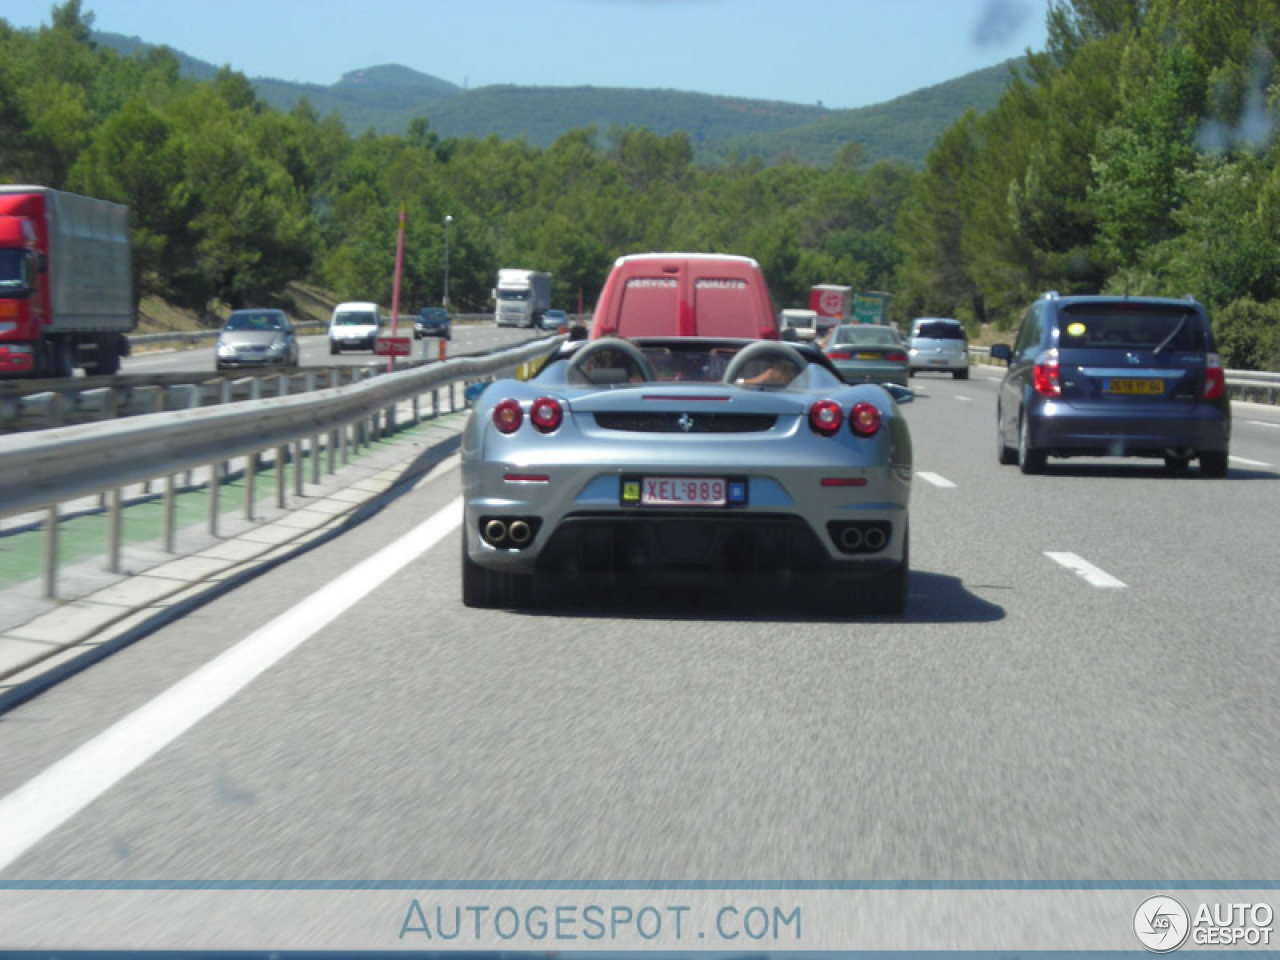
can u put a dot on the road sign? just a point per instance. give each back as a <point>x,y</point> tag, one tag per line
<point>391,346</point>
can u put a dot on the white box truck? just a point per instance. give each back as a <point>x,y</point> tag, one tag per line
<point>521,297</point>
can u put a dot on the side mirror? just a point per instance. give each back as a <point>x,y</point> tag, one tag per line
<point>1001,351</point>
<point>900,393</point>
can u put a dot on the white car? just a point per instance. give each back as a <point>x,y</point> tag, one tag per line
<point>938,343</point>
<point>355,326</point>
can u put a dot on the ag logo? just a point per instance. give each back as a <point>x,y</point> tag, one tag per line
<point>1162,924</point>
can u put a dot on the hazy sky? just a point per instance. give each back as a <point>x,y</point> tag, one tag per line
<point>844,53</point>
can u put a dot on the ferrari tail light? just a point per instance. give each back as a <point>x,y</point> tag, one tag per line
<point>1215,378</point>
<point>1045,375</point>
<point>546,414</point>
<point>825,417</point>
<point>864,419</point>
<point>839,355</point>
<point>507,416</point>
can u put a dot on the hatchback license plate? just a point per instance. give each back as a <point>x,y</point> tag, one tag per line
<point>683,492</point>
<point>1143,387</point>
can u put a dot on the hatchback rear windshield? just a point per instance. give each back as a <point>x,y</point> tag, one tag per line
<point>1132,325</point>
<point>940,331</point>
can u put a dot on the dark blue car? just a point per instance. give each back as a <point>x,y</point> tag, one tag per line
<point>432,322</point>
<point>1114,377</point>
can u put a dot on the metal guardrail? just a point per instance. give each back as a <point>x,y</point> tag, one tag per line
<point>193,337</point>
<point>1247,385</point>
<point>51,467</point>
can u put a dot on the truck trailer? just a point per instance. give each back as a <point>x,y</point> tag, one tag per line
<point>521,297</point>
<point>833,303</point>
<point>66,298</point>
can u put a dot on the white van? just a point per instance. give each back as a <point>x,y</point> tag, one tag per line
<point>355,326</point>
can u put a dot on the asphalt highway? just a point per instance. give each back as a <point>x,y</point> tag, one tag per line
<point>1083,688</point>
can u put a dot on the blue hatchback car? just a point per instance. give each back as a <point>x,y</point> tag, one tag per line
<point>432,322</point>
<point>1107,376</point>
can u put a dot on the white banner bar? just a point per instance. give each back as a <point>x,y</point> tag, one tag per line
<point>798,920</point>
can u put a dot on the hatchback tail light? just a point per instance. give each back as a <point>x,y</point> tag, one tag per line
<point>546,414</point>
<point>1215,378</point>
<point>825,417</point>
<point>1045,375</point>
<point>507,416</point>
<point>864,419</point>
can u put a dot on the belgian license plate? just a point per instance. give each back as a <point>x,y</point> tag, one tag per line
<point>868,356</point>
<point>683,491</point>
<point>1136,387</point>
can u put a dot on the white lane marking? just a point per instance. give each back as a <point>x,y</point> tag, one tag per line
<point>1086,570</point>
<point>1263,423</point>
<point>53,797</point>
<point>961,396</point>
<point>935,479</point>
<point>1248,463</point>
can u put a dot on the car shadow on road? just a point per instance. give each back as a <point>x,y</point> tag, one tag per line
<point>1147,470</point>
<point>933,598</point>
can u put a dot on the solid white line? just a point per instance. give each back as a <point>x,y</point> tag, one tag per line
<point>1248,463</point>
<point>53,797</point>
<point>1086,570</point>
<point>935,479</point>
<point>961,396</point>
<point>1263,423</point>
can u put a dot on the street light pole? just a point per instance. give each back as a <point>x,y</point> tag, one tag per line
<point>447,221</point>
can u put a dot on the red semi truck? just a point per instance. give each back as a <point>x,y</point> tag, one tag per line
<point>65,284</point>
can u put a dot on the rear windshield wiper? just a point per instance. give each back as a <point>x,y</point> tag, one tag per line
<point>1182,322</point>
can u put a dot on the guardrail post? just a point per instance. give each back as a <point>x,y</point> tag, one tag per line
<point>51,552</point>
<point>332,450</point>
<point>115,530</point>
<point>282,385</point>
<point>435,403</point>
<point>250,475</point>
<point>297,467</point>
<point>282,454</point>
<point>214,482</point>
<point>255,389</point>
<point>417,411</point>
<point>315,458</point>
<point>170,512</point>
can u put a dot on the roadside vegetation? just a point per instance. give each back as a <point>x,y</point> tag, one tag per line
<point>1137,154</point>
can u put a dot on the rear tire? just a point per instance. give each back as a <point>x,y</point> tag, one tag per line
<point>333,350</point>
<point>1213,463</point>
<point>1175,464</point>
<point>490,589</point>
<point>1006,454</point>
<point>1030,460</point>
<point>961,374</point>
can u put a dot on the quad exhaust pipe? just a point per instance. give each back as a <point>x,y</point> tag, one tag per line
<point>860,537</point>
<point>515,533</point>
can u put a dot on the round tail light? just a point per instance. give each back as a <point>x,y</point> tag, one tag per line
<point>507,416</point>
<point>546,414</point>
<point>825,417</point>
<point>864,419</point>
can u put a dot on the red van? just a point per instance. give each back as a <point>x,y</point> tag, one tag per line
<point>685,295</point>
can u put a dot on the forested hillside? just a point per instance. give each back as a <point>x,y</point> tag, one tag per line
<point>386,99</point>
<point>1138,153</point>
